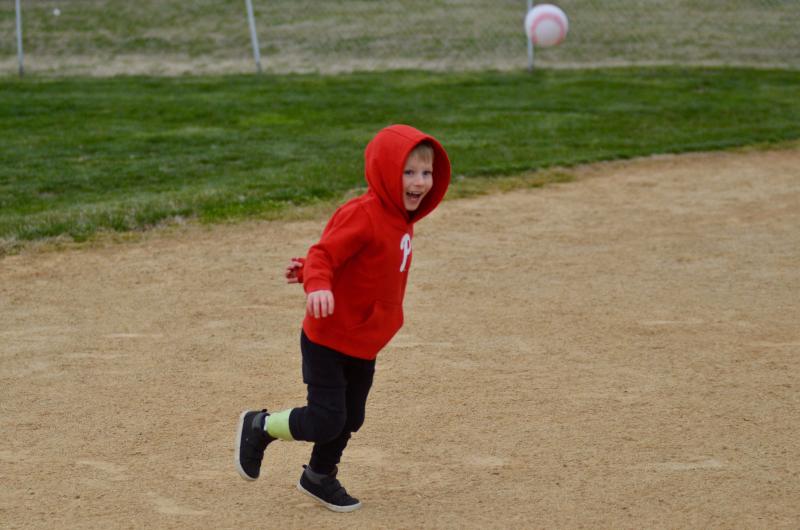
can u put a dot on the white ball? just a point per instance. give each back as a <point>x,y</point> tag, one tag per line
<point>546,25</point>
<point>56,11</point>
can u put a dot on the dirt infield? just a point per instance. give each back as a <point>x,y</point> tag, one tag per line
<point>619,352</point>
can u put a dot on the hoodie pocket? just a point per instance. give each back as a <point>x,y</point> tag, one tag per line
<point>383,321</point>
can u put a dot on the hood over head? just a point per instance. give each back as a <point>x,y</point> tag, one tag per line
<point>385,159</point>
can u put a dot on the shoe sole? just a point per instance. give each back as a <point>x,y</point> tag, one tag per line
<point>239,432</point>
<point>332,507</point>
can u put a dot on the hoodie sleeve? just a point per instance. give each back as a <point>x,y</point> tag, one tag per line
<point>346,233</point>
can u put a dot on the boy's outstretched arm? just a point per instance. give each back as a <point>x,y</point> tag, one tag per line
<point>318,303</point>
<point>346,233</point>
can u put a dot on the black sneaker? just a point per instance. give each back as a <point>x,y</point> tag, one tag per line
<point>251,441</point>
<point>327,490</point>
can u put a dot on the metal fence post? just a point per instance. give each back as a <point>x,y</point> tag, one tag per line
<point>253,36</point>
<point>530,43</point>
<point>20,56</point>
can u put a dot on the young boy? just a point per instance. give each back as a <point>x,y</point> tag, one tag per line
<point>354,279</point>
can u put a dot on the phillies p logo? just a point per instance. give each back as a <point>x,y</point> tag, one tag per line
<point>405,246</point>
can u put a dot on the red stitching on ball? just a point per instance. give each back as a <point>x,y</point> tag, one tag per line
<point>549,15</point>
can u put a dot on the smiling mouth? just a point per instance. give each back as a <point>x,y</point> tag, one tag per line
<point>414,196</point>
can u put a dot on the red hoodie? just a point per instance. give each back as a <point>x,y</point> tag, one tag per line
<point>364,253</point>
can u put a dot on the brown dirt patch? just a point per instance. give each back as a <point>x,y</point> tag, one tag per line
<point>617,352</point>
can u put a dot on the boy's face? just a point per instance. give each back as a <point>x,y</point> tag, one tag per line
<point>417,181</point>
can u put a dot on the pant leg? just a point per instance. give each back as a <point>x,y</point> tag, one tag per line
<point>359,375</point>
<point>324,416</point>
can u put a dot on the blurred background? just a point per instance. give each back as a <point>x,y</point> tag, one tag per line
<point>174,37</point>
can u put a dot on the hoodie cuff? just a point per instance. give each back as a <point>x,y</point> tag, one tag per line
<point>316,284</point>
<point>299,272</point>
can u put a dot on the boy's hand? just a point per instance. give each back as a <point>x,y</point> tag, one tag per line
<point>319,304</point>
<point>292,272</point>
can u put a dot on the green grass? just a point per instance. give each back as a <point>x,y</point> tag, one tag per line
<point>80,156</point>
<point>102,37</point>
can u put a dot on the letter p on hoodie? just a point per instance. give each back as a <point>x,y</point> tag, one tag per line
<point>365,251</point>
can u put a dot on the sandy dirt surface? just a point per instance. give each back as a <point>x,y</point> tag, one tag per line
<point>298,63</point>
<point>618,352</point>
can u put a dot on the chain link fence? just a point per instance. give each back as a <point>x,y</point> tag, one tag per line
<point>164,37</point>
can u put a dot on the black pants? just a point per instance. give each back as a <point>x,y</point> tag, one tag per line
<point>338,386</point>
